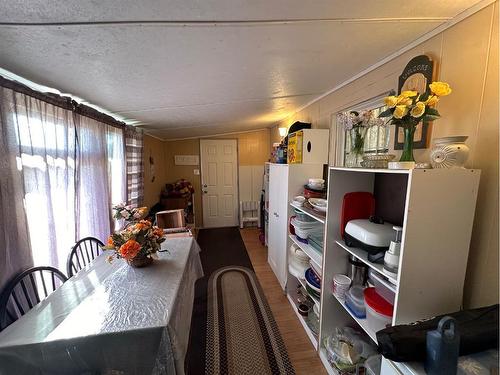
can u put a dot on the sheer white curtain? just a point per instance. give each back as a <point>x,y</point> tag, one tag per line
<point>100,174</point>
<point>15,251</point>
<point>67,169</point>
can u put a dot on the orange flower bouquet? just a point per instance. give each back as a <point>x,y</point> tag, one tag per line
<point>138,243</point>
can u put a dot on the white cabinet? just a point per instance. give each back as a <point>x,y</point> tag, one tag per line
<point>285,182</point>
<point>278,181</point>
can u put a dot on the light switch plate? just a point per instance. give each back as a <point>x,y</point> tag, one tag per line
<point>196,172</point>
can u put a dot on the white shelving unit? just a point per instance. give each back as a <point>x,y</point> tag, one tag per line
<point>309,212</point>
<point>363,257</point>
<point>312,337</point>
<point>315,256</point>
<point>361,322</point>
<point>436,210</point>
<point>329,369</point>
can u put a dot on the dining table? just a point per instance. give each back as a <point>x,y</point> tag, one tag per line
<point>110,319</point>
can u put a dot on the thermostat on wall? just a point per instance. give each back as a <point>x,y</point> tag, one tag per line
<point>187,159</point>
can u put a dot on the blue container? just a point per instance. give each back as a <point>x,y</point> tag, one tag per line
<point>443,347</point>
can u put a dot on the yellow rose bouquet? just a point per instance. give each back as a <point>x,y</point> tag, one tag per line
<point>409,108</point>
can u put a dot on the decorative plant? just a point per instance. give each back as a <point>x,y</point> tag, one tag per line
<point>139,240</point>
<point>357,124</point>
<point>410,107</point>
<point>129,213</point>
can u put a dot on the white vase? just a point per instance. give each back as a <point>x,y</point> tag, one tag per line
<point>449,152</point>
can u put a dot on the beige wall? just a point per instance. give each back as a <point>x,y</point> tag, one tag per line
<point>467,58</point>
<point>176,172</point>
<point>154,148</point>
<point>253,149</point>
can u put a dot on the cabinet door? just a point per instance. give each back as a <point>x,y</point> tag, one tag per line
<point>278,232</point>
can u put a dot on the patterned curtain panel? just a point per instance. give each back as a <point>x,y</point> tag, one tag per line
<point>135,167</point>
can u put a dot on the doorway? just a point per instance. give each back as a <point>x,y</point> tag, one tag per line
<point>219,182</point>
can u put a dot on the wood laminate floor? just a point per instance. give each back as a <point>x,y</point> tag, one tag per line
<point>302,354</point>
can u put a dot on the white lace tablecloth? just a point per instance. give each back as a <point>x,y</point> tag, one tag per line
<point>110,319</point>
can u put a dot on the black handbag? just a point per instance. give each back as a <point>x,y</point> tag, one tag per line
<point>405,343</point>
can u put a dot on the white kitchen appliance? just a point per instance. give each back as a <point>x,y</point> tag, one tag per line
<point>391,258</point>
<point>372,235</point>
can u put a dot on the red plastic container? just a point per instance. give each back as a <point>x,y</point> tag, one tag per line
<point>356,205</point>
<point>308,193</point>
<point>378,310</point>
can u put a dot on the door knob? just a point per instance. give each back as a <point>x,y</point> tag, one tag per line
<point>204,185</point>
<point>205,192</point>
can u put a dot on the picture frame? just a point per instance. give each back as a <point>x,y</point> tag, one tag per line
<point>416,76</point>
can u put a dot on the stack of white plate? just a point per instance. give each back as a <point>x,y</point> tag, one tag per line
<point>298,262</point>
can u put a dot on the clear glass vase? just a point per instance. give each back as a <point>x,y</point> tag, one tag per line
<point>357,143</point>
<point>407,154</point>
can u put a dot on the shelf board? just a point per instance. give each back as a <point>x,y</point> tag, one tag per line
<point>302,321</point>
<point>361,322</point>
<point>310,212</point>
<point>328,367</point>
<point>363,256</point>
<point>315,256</point>
<point>303,283</point>
<point>372,170</point>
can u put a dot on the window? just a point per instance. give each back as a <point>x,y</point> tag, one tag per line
<point>375,137</point>
<point>72,168</point>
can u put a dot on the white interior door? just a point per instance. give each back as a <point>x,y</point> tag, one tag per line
<point>219,182</point>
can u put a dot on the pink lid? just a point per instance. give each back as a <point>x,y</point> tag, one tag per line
<point>377,303</point>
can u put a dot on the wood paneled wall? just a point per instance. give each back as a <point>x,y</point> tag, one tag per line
<point>153,147</point>
<point>253,149</point>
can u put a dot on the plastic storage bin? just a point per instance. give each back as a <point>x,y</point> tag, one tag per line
<point>355,301</point>
<point>302,217</point>
<point>383,287</point>
<point>304,228</point>
<point>378,310</point>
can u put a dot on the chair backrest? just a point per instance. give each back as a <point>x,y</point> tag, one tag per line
<point>170,219</point>
<point>82,253</point>
<point>26,290</point>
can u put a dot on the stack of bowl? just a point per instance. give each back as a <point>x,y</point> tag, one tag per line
<point>313,283</point>
<point>315,188</point>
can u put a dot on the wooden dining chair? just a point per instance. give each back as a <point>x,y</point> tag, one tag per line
<point>26,290</point>
<point>82,253</point>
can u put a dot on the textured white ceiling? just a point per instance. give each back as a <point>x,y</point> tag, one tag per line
<point>193,68</point>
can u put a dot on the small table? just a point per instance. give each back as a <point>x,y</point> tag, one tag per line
<point>110,319</point>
